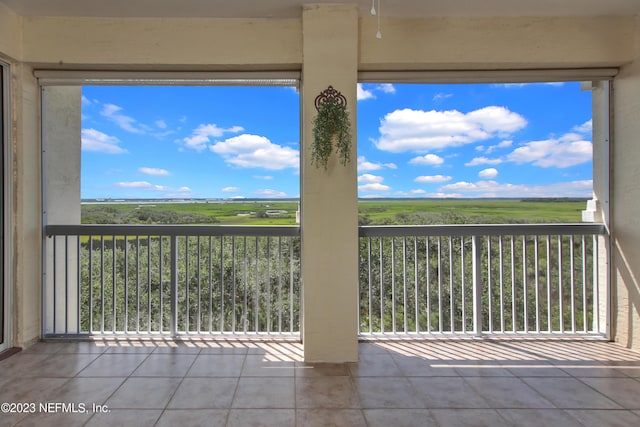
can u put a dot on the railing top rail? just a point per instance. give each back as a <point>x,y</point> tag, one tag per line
<point>481,230</point>
<point>171,230</point>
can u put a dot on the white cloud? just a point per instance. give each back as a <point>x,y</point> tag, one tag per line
<point>429,179</point>
<point>489,173</point>
<point>264,177</point>
<point>230,189</point>
<point>161,124</point>
<point>113,113</point>
<point>254,151</point>
<point>94,140</point>
<point>86,101</point>
<point>368,178</point>
<point>428,159</point>
<point>154,171</point>
<point>420,131</point>
<point>363,93</point>
<point>567,151</point>
<point>582,188</point>
<point>147,186</point>
<point>441,96</point>
<point>366,166</point>
<point>271,193</point>
<point>483,161</point>
<point>200,136</point>
<point>374,186</point>
<point>586,127</point>
<point>386,88</point>
<point>503,144</point>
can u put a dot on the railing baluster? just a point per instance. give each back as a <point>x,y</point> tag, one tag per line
<point>525,287</point>
<point>186,280</point>
<point>393,284</point>
<point>428,276</point>
<point>101,285</point>
<point>370,317</point>
<point>244,317</point>
<point>279,284</point>
<point>573,287</point>
<point>549,281</point>
<point>462,286</point>
<point>560,292</point>
<point>477,286</point>
<point>198,306</point>
<point>416,283</point>
<point>90,329</point>
<point>221,284</point>
<point>160,281</point>
<point>174,285</point>
<point>138,285</point>
<point>405,301</point>
<point>537,282</point>
<point>584,285</point>
<point>148,283</point>
<point>514,320</point>
<point>452,299</point>
<point>502,321</point>
<point>489,295</point>
<point>66,284</point>
<point>114,284</point>
<point>440,322</point>
<point>381,285</point>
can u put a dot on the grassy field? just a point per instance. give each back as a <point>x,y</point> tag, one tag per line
<point>405,211</point>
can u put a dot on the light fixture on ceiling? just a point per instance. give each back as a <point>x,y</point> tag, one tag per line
<point>377,13</point>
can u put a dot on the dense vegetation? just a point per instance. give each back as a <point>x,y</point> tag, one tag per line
<point>399,211</point>
<point>253,283</point>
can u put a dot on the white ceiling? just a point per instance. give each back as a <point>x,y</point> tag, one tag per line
<point>292,8</point>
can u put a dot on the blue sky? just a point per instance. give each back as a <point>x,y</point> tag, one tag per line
<point>465,140</point>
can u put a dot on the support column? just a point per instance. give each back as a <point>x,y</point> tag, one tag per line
<point>61,121</point>
<point>329,197</point>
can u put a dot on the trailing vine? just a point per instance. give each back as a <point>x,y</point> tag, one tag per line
<point>331,126</point>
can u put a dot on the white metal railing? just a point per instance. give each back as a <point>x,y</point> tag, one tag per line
<point>483,279</point>
<point>171,279</point>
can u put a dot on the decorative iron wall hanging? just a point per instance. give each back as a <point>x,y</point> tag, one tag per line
<point>331,126</point>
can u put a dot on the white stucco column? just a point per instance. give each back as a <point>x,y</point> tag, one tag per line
<point>329,197</point>
<point>61,121</point>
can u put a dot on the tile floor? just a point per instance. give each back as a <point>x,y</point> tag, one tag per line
<point>419,383</point>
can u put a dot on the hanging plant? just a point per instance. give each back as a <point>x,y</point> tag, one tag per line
<point>331,127</point>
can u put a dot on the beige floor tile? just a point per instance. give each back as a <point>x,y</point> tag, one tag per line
<point>267,366</point>
<point>330,418</point>
<point>125,418</point>
<point>193,418</point>
<point>321,369</point>
<point>46,347</point>
<point>539,417</point>
<point>55,419</point>
<point>177,348</point>
<point>569,393</point>
<point>469,417</point>
<point>481,368</point>
<point>605,418</point>
<point>412,366</point>
<point>591,369</point>
<point>87,390</point>
<point>399,418</point>
<point>262,418</point>
<point>446,392</point>
<point>372,348</point>
<point>623,391</point>
<point>21,363</point>
<point>326,392</point>
<point>61,365</point>
<point>507,393</point>
<point>387,392</point>
<point>144,393</point>
<point>204,393</point>
<point>536,369</point>
<point>375,365</point>
<point>217,366</point>
<point>264,393</point>
<point>113,365</point>
<point>34,390</point>
<point>165,365</point>
<point>127,347</point>
<point>91,347</point>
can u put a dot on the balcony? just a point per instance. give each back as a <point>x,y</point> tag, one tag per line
<point>157,381</point>
<point>422,281</point>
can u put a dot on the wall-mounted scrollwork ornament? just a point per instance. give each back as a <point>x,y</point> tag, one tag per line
<point>331,126</point>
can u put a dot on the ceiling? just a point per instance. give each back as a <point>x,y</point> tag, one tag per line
<point>291,8</point>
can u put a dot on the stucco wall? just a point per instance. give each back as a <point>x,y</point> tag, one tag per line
<point>496,43</point>
<point>140,43</point>
<point>10,33</point>
<point>626,204</point>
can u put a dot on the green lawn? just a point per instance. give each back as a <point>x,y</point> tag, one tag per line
<point>414,211</point>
